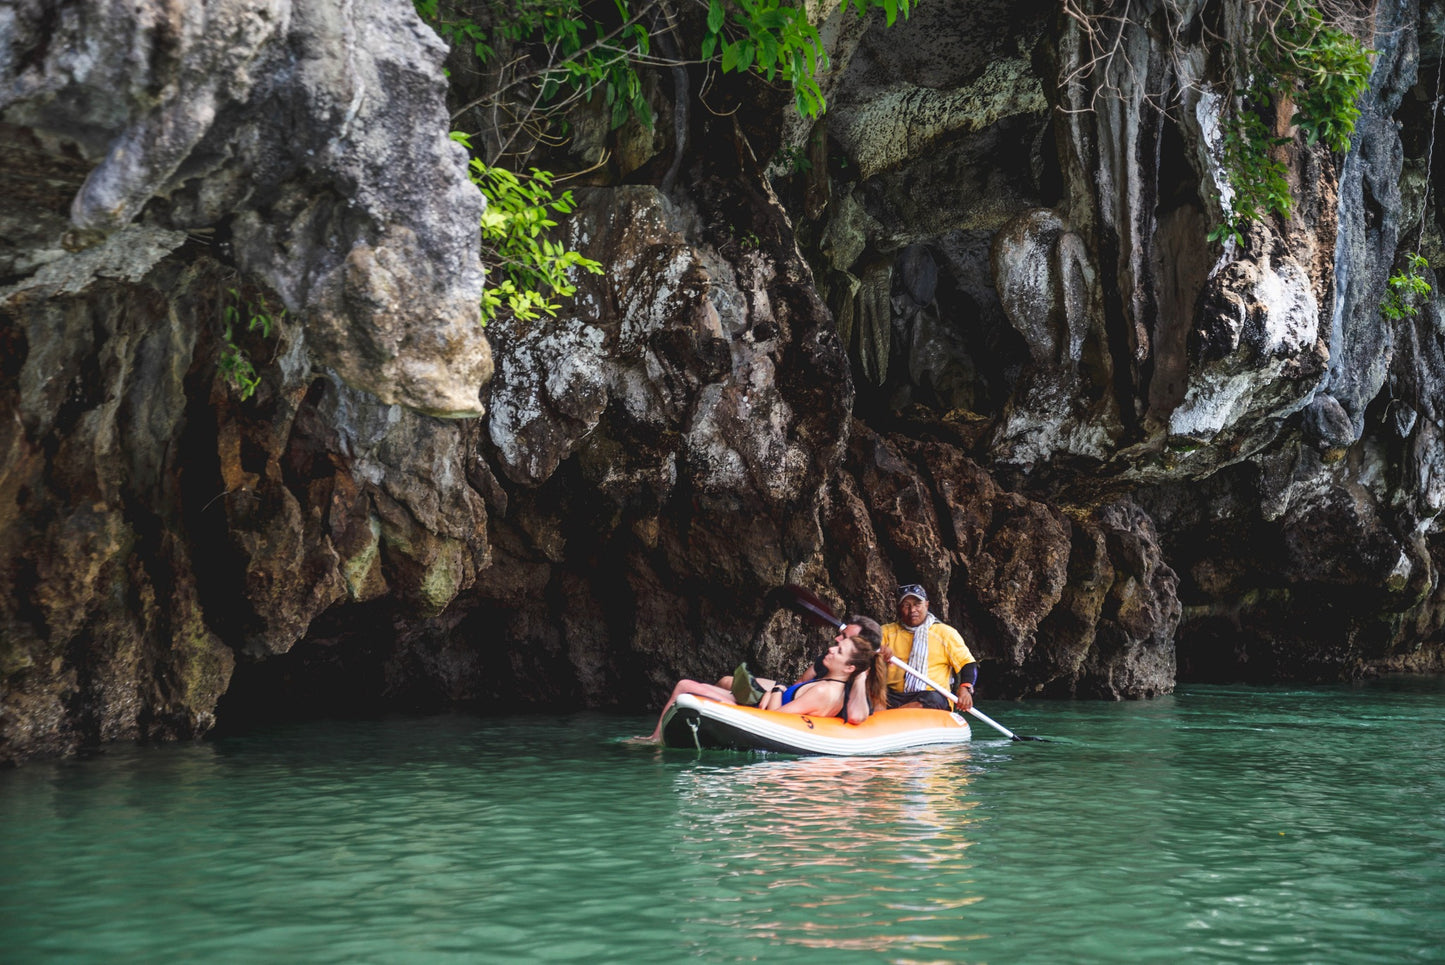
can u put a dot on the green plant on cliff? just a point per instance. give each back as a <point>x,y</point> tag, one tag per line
<point>773,38</point>
<point>532,271</point>
<point>777,41</point>
<point>1256,175</point>
<point>581,52</point>
<point>241,314</point>
<point>1301,58</point>
<point>1322,67</point>
<point>1406,288</point>
<point>562,50</point>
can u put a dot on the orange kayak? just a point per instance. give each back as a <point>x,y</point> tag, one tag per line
<point>698,723</point>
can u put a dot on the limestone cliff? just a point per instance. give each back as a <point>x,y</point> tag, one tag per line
<point>979,341</point>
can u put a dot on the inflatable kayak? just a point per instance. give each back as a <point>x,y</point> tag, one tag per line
<point>697,722</point>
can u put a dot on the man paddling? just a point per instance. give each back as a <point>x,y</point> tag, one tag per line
<point>932,648</point>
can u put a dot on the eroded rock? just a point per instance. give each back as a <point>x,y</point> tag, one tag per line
<point>314,134</point>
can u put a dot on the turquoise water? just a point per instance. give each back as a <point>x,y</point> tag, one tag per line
<point>1223,824</point>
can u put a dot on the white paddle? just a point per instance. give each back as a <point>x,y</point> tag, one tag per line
<point>954,700</point>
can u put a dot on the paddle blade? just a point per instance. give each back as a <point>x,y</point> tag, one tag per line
<point>811,607</point>
<point>1002,729</point>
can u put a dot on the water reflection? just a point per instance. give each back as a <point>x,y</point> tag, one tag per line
<point>835,853</point>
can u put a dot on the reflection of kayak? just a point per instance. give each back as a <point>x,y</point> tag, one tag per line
<point>696,722</point>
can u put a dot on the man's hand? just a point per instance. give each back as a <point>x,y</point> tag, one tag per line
<point>965,698</point>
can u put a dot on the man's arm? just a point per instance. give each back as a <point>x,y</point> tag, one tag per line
<point>967,677</point>
<point>963,665</point>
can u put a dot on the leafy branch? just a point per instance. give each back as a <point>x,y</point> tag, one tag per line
<point>534,270</point>
<point>545,56</point>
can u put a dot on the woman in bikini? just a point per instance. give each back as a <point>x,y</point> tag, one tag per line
<point>820,697</point>
<point>864,693</point>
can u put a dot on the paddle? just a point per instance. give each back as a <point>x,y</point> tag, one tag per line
<point>810,606</point>
<point>816,610</point>
<point>952,699</point>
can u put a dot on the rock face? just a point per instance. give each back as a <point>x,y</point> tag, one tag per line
<point>981,343</point>
<point>1250,398</point>
<point>306,146</point>
<point>312,135</point>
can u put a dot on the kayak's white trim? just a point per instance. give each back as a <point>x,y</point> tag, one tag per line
<point>770,734</point>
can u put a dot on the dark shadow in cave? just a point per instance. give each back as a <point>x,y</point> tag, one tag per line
<point>484,654</point>
<point>351,665</point>
<point>951,347</point>
<point>317,678</point>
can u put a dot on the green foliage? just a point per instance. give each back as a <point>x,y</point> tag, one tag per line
<point>1323,70</point>
<point>596,60</point>
<point>747,241</point>
<point>777,41</point>
<point>1258,179</point>
<point>530,270</point>
<point>1406,289</point>
<point>458,32</point>
<point>772,38</point>
<point>591,48</point>
<point>235,363</point>
<point>794,159</point>
<point>586,54</point>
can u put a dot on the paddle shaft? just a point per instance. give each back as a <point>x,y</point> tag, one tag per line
<point>952,699</point>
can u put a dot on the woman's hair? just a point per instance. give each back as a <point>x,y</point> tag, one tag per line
<point>867,655</point>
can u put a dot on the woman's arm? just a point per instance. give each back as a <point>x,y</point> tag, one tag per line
<point>773,699</point>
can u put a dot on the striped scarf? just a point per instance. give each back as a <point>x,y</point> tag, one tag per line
<point>918,656</point>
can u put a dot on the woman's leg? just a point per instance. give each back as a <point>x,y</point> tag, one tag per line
<point>689,687</point>
<point>762,683</point>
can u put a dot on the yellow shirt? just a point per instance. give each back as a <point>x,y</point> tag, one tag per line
<point>947,653</point>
